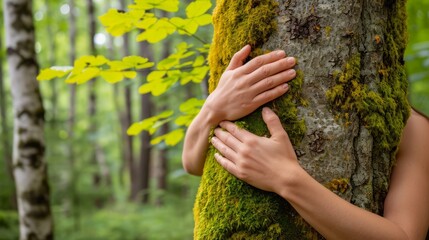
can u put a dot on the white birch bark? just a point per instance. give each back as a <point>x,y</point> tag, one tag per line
<point>29,167</point>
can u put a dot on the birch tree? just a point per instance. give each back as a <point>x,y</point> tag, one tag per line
<point>29,166</point>
<point>344,113</point>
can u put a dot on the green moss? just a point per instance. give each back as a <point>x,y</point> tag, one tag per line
<point>385,109</point>
<point>228,208</point>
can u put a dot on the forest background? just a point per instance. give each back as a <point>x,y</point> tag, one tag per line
<point>95,194</point>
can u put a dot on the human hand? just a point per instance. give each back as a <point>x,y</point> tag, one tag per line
<point>265,163</point>
<point>244,88</point>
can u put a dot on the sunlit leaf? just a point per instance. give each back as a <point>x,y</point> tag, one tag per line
<point>166,5</point>
<point>191,105</point>
<point>83,77</point>
<point>171,138</point>
<point>197,8</point>
<point>157,31</point>
<point>50,73</point>
<point>118,22</point>
<point>115,76</point>
<point>199,61</point>
<point>155,75</point>
<point>203,19</point>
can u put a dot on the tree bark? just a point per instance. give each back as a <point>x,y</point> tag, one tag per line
<point>344,113</point>
<point>71,121</point>
<point>51,59</point>
<point>145,146</point>
<point>5,137</point>
<point>126,121</point>
<point>29,166</point>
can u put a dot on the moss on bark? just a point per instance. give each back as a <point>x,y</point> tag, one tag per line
<point>227,208</point>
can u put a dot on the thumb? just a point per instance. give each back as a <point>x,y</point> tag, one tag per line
<point>238,59</point>
<point>273,123</point>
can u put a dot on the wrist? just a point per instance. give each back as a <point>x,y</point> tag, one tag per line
<point>292,182</point>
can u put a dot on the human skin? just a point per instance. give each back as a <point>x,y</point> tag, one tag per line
<point>243,88</point>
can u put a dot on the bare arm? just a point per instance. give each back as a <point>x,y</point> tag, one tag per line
<point>406,208</point>
<point>241,89</point>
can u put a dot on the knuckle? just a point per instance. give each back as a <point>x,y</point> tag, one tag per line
<point>259,61</point>
<point>265,71</point>
<point>269,83</point>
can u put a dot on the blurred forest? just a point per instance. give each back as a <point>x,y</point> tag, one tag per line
<point>103,183</point>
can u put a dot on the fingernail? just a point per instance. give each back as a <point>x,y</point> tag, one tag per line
<point>290,60</point>
<point>265,110</point>
<point>280,53</point>
<point>285,86</point>
<point>213,139</point>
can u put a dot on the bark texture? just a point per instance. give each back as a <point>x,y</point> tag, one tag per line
<point>30,170</point>
<point>344,113</point>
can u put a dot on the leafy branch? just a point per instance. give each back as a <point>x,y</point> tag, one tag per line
<point>188,64</point>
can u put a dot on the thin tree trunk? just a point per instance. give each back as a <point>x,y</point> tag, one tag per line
<point>71,121</point>
<point>162,168</point>
<point>162,163</point>
<point>29,166</point>
<point>145,147</point>
<point>51,59</point>
<point>126,122</point>
<point>92,106</point>
<point>344,113</point>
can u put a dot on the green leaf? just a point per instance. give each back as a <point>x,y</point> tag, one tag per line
<point>115,76</point>
<point>51,73</point>
<point>117,22</point>
<point>157,32</point>
<point>191,105</point>
<point>166,5</point>
<point>199,61</point>
<point>171,138</point>
<point>203,19</point>
<point>197,8</point>
<point>148,124</point>
<point>156,75</point>
<point>86,75</point>
<point>167,63</point>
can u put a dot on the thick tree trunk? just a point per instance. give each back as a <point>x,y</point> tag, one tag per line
<point>29,166</point>
<point>344,113</point>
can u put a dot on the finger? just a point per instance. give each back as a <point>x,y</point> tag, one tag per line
<point>260,61</point>
<point>235,131</point>
<point>273,68</point>
<point>223,149</point>
<point>227,164</point>
<point>273,81</point>
<point>271,94</point>
<point>228,139</point>
<point>239,57</point>
<point>273,123</point>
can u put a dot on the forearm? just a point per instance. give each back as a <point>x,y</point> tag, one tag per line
<point>332,216</point>
<point>197,141</point>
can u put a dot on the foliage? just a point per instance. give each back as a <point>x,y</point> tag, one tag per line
<point>417,54</point>
<point>187,65</point>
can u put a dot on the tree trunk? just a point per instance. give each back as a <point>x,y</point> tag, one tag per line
<point>51,59</point>
<point>29,166</point>
<point>5,138</point>
<point>344,113</point>
<point>126,121</point>
<point>71,121</point>
<point>145,146</point>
